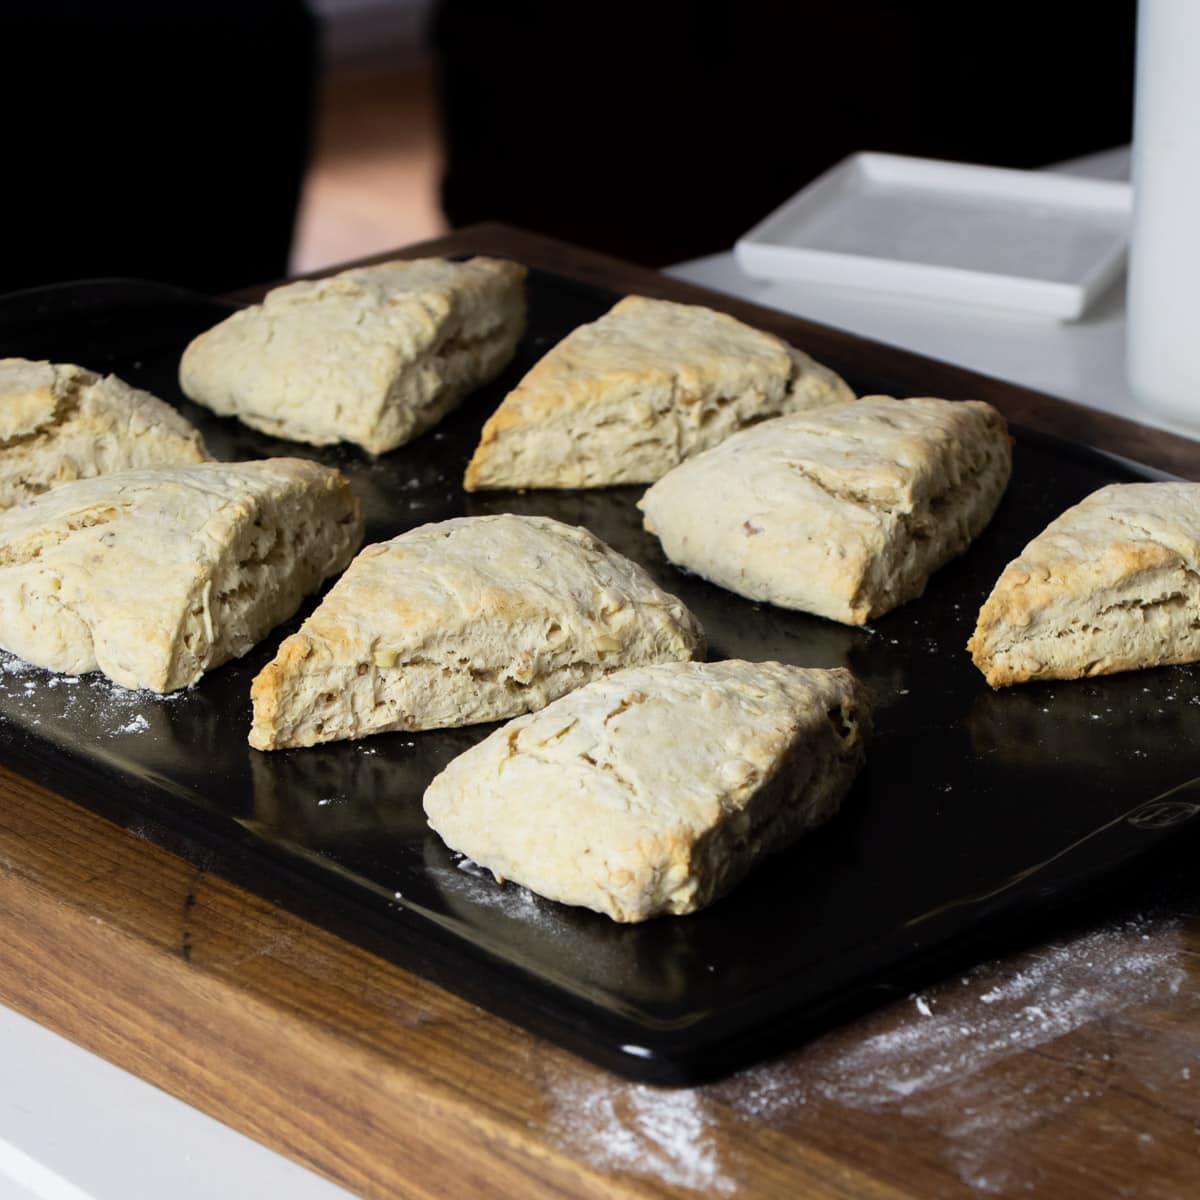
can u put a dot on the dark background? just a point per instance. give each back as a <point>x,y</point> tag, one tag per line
<point>663,130</point>
<point>169,141</point>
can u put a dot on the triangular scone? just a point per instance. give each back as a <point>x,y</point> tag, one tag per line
<point>473,619</point>
<point>156,576</point>
<point>375,355</point>
<point>657,789</point>
<point>1111,585</point>
<point>629,396</point>
<point>843,512</point>
<point>60,422</point>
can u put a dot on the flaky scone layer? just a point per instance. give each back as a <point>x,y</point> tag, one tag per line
<point>656,789</point>
<point>156,576</point>
<point>1113,584</point>
<point>627,397</point>
<point>844,512</point>
<point>60,422</point>
<point>374,355</point>
<point>468,620</point>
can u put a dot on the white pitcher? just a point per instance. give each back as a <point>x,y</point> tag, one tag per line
<point>1164,269</point>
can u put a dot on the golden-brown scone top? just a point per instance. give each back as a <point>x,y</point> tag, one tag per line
<point>844,512</point>
<point>654,790</point>
<point>156,576</point>
<point>374,355</point>
<point>60,422</point>
<point>462,621</point>
<point>627,397</point>
<point>1111,585</point>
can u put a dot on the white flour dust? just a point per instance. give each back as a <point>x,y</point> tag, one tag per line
<point>12,666</point>
<point>665,1134</point>
<point>661,1133</point>
<point>937,1057</point>
<point>940,1060</point>
<point>90,701</point>
<point>953,1033</point>
<point>476,885</point>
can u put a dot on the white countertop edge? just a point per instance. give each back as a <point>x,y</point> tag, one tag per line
<point>75,1127</point>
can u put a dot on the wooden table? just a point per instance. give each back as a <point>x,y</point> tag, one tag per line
<point>1072,1069</point>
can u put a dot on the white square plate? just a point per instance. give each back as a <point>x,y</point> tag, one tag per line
<point>1031,241</point>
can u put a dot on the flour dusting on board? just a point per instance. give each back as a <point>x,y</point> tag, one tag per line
<point>956,1030</point>
<point>938,1055</point>
<point>664,1134</point>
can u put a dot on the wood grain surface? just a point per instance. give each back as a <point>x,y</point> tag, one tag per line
<point>1069,1069</point>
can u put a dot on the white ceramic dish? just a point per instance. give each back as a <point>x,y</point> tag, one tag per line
<point>1029,241</point>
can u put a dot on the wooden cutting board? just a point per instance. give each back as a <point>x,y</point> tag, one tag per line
<point>1066,1070</point>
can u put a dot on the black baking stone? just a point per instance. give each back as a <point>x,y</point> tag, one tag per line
<point>975,812</point>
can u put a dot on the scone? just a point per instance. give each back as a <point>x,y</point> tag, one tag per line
<point>656,789</point>
<point>845,512</point>
<point>1111,585</point>
<point>468,620</point>
<point>60,422</point>
<point>374,355</point>
<point>629,396</point>
<point>156,576</point>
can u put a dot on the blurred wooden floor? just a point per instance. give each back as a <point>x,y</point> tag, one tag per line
<point>375,170</point>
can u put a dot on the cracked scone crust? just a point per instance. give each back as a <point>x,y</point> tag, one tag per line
<point>156,576</point>
<point>627,397</point>
<point>845,512</point>
<point>1113,584</point>
<point>60,422</point>
<point>468,620</point>
<point>375,355</point>
<point>655,790</point>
